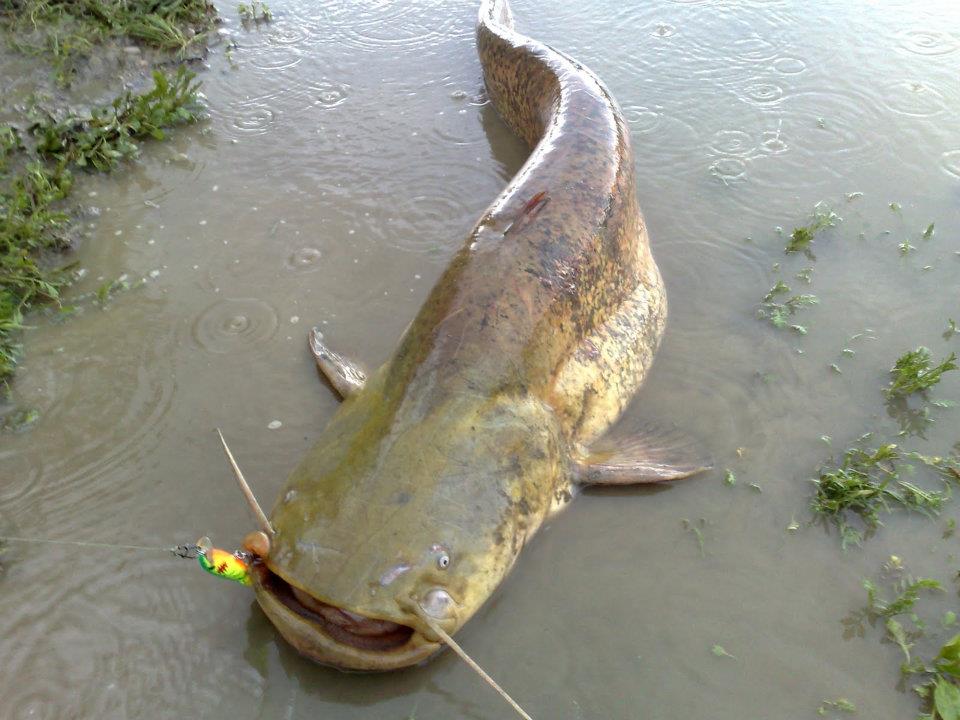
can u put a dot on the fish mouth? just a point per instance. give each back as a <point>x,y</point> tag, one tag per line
<point>336,636</point>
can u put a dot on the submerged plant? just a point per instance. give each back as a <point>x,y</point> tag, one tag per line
<point>868,482</point>
<point>255,12</point>
<point>802,237</point>
<point>914,372</point>
<point>934,679</point>
<point>778,312</point>
<point>840,705</point>
<point>951,329</point>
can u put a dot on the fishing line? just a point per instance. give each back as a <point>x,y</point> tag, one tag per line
<point>80,543</point>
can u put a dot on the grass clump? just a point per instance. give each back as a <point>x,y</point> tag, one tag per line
<point>802,237</point>
<point>934,679</point>
<point>868,482</point>
<point>779,312</point>
<point>33,225</point>
<point>838,705</point>
<point>256,12</point>
<point>67,31</point>
<point>29,229</point>
<point>914,372</point>
<point>102,137</point>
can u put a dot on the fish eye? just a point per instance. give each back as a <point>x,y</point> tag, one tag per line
<point>443,562</point>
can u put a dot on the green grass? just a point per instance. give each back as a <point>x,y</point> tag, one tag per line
<point>256,12</point>
<point>914,372</point>
<point>867,483</point>
<point>104,136</point>
<point>67,31</point>
<point>778,310</point>
<point>33,224</point>
<point>802,237</point>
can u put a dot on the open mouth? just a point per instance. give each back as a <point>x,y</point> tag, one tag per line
<point>341,625</point>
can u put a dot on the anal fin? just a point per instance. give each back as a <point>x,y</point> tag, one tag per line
<point>649,455</point>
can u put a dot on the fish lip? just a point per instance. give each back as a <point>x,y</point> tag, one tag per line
<point>317,640</point>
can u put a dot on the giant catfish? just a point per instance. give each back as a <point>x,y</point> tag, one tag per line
<point>436,470</point>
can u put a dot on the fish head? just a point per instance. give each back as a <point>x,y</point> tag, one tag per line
<point>387,521</point>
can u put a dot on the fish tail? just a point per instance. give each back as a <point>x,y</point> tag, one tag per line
<point>496,12</point>
<point>520,74</point>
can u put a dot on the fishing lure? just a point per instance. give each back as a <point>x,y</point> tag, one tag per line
<point>222,563</point>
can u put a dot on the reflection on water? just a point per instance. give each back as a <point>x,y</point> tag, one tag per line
<point>349,150</point>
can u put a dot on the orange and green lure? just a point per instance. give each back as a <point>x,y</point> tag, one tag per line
<point>232,566</point>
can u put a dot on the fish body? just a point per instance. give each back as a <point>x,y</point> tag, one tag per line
<point>433,474</point>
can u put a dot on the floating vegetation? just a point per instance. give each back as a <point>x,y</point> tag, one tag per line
<point>255,12</point>
<point>934,679</point>
<point>907,593</point>
<point>729,478</point>
<point>718,651</point>
<point>914,372</point>
<point>928,233</point>
<point>697,530</point>
<point>33,225</point>
<point>951,329</point>
<point>868,482</point>
<point>778,313</point>
<point>802,237</point>
<point>839,705</point>
<point>67,31</point>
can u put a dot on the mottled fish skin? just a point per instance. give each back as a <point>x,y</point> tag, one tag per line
<point>594,306</point>
<point>526,350</point>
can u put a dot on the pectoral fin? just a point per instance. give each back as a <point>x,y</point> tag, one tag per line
<point>346,376</point>
<point>649,456</point>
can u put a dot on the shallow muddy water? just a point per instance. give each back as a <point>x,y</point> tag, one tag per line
<point>348,152</point>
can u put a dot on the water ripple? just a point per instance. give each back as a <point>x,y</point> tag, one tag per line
<point>230,325</point>
<point>914,99</point>
<point>306,259</point>
<point>789,65</point>
<point>928,42</point>
<point>950,162</point>
<point>276,58</point>
<point>760,92</point>
<point>458,126</point>
<point>105,431</point>
<point>733,142</point>
<point>642,119</point>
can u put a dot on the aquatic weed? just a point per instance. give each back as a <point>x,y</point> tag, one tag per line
<point>256,12</point>
<point>777,312</point>
<point>934,679</point>
<point>802,237</point>
<point>951,329</point>
<point>868,482</point>
<point>839,705</point>
<point>914,372</point>
<point>105,135</point>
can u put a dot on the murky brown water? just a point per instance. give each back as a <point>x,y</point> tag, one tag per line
<point>348,153</point>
